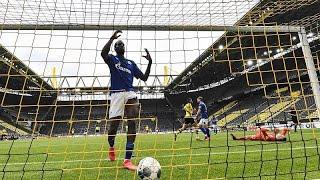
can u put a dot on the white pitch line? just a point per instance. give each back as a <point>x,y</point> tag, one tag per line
<point>25,142</point>
<point>168,156</point>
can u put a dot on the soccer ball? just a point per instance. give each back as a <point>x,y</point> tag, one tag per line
<point>149,169</point>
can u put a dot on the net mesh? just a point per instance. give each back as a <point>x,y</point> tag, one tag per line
<point>55,93</point>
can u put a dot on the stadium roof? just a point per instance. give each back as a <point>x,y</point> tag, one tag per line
<point>18,76</point>
<point>203,71</point>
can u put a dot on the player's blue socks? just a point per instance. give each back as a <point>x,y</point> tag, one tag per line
<point>203,130</point>
<point>129,149</point>
<point>111,140</point>
<point>208,132</point>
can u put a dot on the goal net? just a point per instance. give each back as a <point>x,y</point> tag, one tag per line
<point>255,63</point>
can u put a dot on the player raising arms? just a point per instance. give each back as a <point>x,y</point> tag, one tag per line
<point>263,135</point>
<point>188,119</point>
<point>202,116</point>
<point>123,98</point>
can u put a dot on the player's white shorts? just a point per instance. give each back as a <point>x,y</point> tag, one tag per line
<point>203,122</point>
<point>214,126</point>
<point>118,102</point>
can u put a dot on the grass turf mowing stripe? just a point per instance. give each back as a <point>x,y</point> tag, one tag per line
<point>174,155</point>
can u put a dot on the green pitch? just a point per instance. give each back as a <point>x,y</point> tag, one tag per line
<point>86,157</point>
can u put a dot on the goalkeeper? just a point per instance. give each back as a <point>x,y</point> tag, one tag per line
<point>263,135</point>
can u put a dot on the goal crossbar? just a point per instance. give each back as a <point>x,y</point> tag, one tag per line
<point>150,27</point>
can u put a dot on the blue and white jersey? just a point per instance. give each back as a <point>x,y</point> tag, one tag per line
<point>203,110</point>
<point>122,72</point>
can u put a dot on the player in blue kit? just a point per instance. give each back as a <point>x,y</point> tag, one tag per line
<point>202,116</point>
<point>124,100</point>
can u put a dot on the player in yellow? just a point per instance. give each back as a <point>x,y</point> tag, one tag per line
<point>188,118</point>
<point>146,128</point>
<point>3,134</point>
